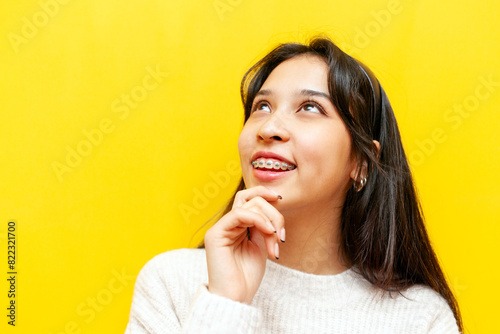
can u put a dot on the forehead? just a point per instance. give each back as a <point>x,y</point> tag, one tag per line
<point>298,73</point>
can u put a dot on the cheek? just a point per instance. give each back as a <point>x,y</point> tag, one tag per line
<point>246,145</point>
<point>328,150</point>
<point>244,140</point>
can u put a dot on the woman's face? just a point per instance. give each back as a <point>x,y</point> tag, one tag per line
<point>292,116</point>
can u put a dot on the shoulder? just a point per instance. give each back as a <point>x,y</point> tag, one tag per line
<point>423,294</point>
<point>424,298</point>
<point>164,289</point>
<point>184,264</point>
<point>417,308</point>
<point>430,311</point>
<point>417,298</point>
<point>436,315</point>
<point>178,257</point>
<point>414,296</point>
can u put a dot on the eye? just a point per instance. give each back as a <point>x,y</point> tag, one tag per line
<point>312,106</point>
<point>261,105</point>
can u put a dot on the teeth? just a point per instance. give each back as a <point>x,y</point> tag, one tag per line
<point>272,164</point>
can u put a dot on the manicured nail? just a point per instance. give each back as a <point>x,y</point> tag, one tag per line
<point>283,234</point>
<point>276,251</point>
<point>274,192</point>
<point>271,227</point>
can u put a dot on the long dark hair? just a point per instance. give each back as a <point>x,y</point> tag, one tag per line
<point>382,226</point>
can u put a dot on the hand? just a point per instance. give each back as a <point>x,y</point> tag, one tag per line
<point>235,264</point>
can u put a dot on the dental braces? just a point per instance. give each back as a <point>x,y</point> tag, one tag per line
<point>269,164</point>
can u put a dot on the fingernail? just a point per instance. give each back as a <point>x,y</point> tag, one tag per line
<point>274,192</point>
<point>271,227</point>
<point>283,234</point>
<point>276,251</point>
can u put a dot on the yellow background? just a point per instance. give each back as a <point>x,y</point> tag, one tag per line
<point>148,184</point>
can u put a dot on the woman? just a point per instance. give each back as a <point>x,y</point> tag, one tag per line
<point>324,170</point>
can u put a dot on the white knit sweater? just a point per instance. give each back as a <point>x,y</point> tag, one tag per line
<point>171,296</point>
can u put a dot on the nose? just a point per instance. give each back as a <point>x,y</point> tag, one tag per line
<point>273,129</point>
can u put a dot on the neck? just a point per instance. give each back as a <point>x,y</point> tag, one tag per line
<point>312,242</point>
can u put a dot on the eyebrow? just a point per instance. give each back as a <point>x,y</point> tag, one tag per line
<point>310,92</point>
<point>306,92</point>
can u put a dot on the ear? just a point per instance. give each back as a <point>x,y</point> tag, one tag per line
<point>377,145</point>
<point>361,168</point>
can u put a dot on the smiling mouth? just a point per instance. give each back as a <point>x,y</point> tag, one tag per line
<point>272,165</point>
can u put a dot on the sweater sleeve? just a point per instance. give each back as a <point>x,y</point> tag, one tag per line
<point>211,313</point>
<point>155,309</point>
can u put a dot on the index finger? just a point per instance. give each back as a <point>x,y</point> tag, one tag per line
<point>245,195</point>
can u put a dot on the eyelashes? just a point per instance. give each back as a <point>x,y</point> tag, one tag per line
<point>305,105</point>
<point>259,104</point>
<point>314,104</point>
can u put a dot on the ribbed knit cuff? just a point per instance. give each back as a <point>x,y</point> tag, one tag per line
<point>211,313</point>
